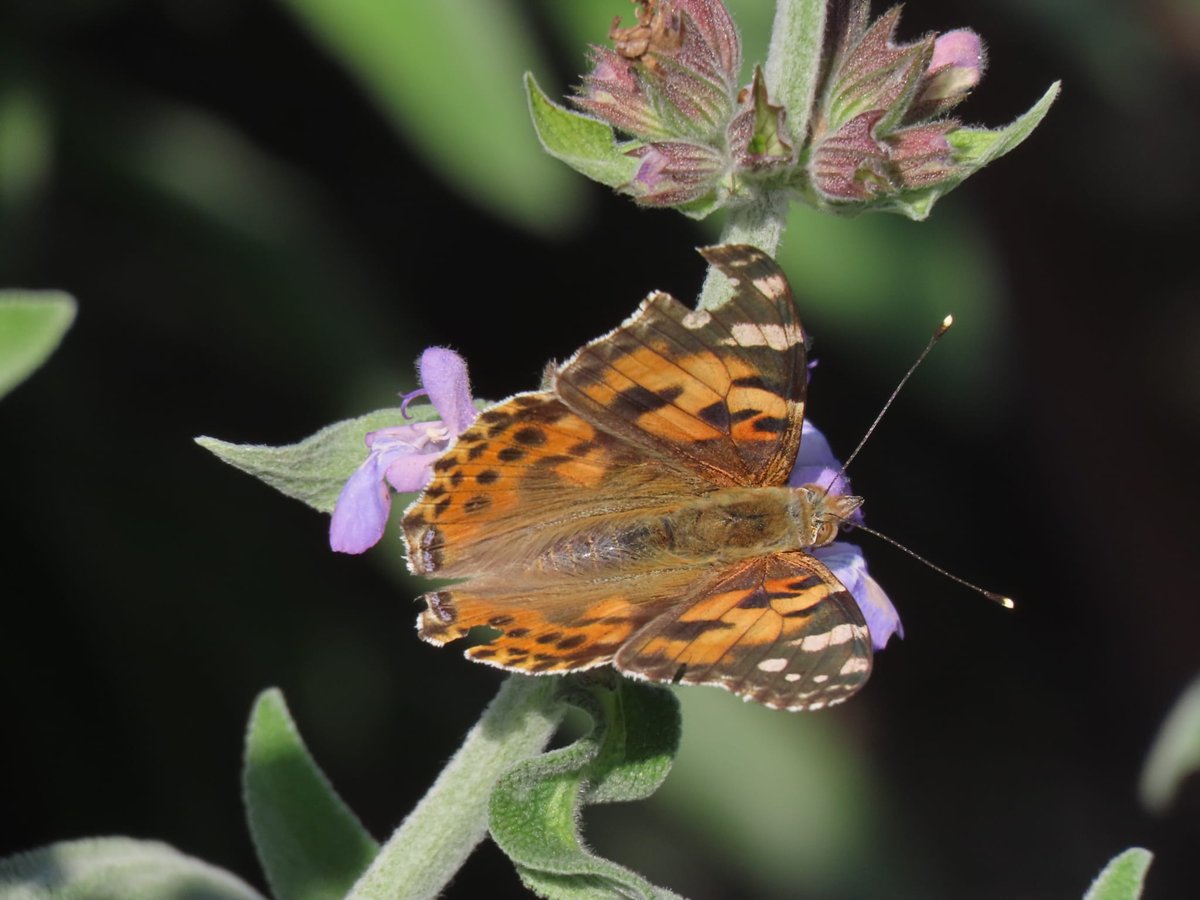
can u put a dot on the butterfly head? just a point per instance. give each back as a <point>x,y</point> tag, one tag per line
<point>821,513</point>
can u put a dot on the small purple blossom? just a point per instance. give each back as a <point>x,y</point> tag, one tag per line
<point>401,456</point>
<point>816,464</point>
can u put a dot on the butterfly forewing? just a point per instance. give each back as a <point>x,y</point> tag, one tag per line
<point>720,390</point>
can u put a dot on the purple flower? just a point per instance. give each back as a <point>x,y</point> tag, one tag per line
<point>815,464</point>
<point>401,456</point>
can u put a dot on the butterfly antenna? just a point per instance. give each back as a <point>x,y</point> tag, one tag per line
<point>1006,602</point>
<point>937,336</point>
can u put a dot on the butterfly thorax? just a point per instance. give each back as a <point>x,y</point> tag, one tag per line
<point>718,528</point>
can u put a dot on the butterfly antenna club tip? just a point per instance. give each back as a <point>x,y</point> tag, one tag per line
<point>944,327</point>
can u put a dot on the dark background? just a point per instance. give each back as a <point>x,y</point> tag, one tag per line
<point>150,592</point>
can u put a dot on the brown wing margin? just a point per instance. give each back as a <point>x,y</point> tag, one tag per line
<point>720,390</point>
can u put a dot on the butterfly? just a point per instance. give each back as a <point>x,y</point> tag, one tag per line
<point>637,511</point>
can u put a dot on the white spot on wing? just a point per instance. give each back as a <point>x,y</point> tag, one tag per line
<point>854,665</point>
<point>775,336</point>
<point>772,285</point>
<point>697,318</point>
<point>820,679</point>
<point>773,665</point>
<point>841,634</point>
<point>815,643</point>
<point>791,676</point>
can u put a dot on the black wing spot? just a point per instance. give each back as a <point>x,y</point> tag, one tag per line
<point>487,476</point>
<point>571,642</point>
<point>716,415</point>
<point>530,436</point>
<point>804,584</point>
<point>549,637</point>
<point>771,425</point>
<point>583,448</point>
<point>511,454</point>
<point>637,400</point>
<point>442,463</point>
<point>756,599</point>
<point>477,450</point>
<point>692,629</point>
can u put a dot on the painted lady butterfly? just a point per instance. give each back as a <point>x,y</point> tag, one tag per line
<point>637,513</point>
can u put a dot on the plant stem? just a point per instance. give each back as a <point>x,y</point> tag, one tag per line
<point>436,838</point>
<point>760,224</point>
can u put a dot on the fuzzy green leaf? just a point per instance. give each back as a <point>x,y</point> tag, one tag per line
<point>31,325</point>
<point>448,75</point>
<point>585,144</point>
<point>794,61</point>
<point>311,846</point>
<point>1175,753</point>
<point>973,148</point>
<point>116,868</point>
<point>625,756</point>
<point>313,470</point>
<point>1123,877</point>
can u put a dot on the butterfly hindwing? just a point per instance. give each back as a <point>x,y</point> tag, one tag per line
<point>722,390</point>
<point>779,629</point>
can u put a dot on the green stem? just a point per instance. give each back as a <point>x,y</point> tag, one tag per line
<point>431,845</point>
<point>760,224</point>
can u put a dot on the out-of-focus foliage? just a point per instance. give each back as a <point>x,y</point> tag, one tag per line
<point>31,325</point>
<point>1175,753</point>
<point>311,846</point>
<point>448,74</point>
<point>1122,878</point>
<point>115,867</point>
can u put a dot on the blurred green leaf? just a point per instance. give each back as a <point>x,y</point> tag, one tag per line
<point>314,470</point>
<point>26,142</point>
<point>625,755</point>
<point>583,143</point>
<point>116,868</point>
<point>449,76</point>
<point>32,323</point>
<point>1175,753</point>
<point>1123,877</point>
<point>885,285</point>
<point>311,846</point>
<point>749,816</point>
